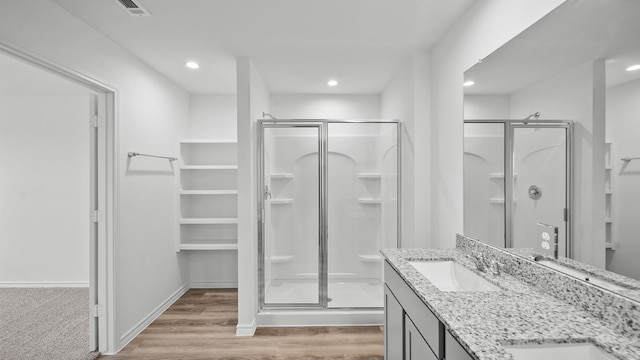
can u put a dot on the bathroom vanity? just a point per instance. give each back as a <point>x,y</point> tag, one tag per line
<point>412,331</point>
<point>515,316</point>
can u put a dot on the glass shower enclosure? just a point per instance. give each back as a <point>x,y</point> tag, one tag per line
<point>518,174</point>
<point>328,202</point>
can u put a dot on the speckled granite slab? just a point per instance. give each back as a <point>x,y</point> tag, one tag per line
<point>631,286</point>
<point>518,314</point>
<point>620,313</point>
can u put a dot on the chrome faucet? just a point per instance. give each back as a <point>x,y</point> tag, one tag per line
<point>494,267</point>
<point>478,261</point>
<point>484,265</point>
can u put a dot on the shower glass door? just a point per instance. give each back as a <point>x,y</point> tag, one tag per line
<point>540,184</point>
<point>291,167</point>
<point>362,192</point>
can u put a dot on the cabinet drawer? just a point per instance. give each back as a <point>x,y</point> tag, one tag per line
<point>455,351</point>
<point>425,322</point>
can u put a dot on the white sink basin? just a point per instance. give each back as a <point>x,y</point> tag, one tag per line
<point>451,276</point>
<point>584,276</point>
<point>573,351</point>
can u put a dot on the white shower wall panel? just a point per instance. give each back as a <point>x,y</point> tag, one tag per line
<point>484,188</point>
<point>354,206</point>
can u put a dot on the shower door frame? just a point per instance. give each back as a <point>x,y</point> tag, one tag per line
<point>322,223</point>
<point>323,261</point>
<point>509,127</point>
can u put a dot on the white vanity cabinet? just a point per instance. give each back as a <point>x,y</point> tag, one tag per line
<point>412,331</point>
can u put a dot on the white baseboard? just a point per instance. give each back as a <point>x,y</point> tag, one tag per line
<point>131,334</point>
<point>246,330</point>
<point>212,285</point>
<point>46,284</point>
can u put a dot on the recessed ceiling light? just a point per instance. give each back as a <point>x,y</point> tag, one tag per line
<point>633,67</point>
<point>468,83</point>
<point>332,83</point>
<point>192,65</point>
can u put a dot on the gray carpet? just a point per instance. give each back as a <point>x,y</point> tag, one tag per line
<point>44,323</point>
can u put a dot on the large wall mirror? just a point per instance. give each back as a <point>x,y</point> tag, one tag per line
<point>574,66</point>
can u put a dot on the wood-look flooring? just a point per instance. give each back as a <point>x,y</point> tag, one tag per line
<point>202,325</point>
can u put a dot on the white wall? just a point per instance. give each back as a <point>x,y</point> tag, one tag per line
<point>212,116</point>
<point>151,113</point>
<point>407,98</point>
<point>623,109</point>
<point>253,100</point>
<point>481,30</point>
<point>289,106</point>
<point>44,186</point>
<point>577,94</point>
<point>486,107</point>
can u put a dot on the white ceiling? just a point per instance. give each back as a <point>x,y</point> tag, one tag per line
<point>576,32</point>
<point>296,45</point>
<point>20,79</point>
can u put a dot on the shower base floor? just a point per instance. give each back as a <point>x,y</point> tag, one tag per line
<point>342,294</point>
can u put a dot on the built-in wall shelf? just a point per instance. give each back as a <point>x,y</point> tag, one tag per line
<point>371,176</point>
<point>208,141</point>
<point>209,247</point>
<point>280,201</point>
<point>608,192</point>
<point>207,193</point>
<point>370,258</point>
<point>210,221</point>
<point>499,176</point>
<point>209,167</point>
<point>281,258</point>
<point>282,176</point>
<point>370,201</point>
<point>499,201</point>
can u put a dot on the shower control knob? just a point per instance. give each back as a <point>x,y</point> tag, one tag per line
<point>535,192</point>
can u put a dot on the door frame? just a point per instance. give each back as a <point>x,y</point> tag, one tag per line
<point>322,221</point>
<point>104,164</point>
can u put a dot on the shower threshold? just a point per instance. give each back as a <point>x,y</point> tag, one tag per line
<point>320,317</point>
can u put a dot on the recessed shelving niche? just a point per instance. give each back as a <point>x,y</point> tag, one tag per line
<point>608,193</point>
<point>208,195</point>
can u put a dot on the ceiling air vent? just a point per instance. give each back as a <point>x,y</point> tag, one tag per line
<point>134,8</point>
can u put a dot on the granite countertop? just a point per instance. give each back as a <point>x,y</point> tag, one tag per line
<point>632,286</point>
<point>519,314</point>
